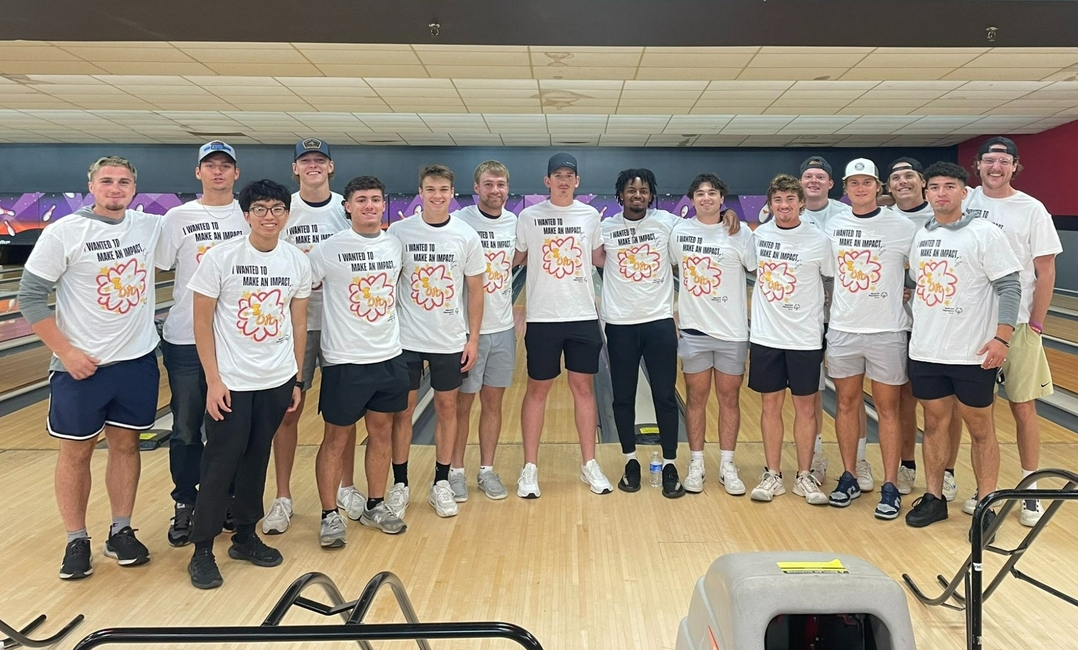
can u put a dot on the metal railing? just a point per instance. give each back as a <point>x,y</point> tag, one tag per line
<point>353,628</point>
<point>19,639</point>
<point>971,574</point>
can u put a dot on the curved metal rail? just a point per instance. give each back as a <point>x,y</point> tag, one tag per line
<point>19,639</point>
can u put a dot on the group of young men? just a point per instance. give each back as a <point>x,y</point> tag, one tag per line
<point>270,285</point>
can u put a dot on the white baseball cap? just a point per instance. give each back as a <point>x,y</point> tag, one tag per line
<point>861,167</point>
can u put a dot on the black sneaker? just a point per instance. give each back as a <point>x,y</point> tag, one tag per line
<point>630,481</point>
<point>229,525</point>
<point>255,552</point>
<point>203,570</point>
<point>179,531</point>
<point>672,487</point>
<point>125,548</point>
<point>927,510</point>
<point>989,517</point>
<point>77,563</point>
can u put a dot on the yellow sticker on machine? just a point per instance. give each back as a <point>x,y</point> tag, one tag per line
<point>834,566</point>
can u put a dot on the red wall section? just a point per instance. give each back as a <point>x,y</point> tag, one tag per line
<point>1050,169</point>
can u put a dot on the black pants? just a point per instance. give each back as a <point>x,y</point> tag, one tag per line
<point>656,342</point>
<point>238,447</point>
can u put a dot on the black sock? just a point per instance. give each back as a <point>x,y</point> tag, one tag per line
<point>441,472</point>
<point>204,546</point>
<point>909,464</point>
<point>400,473</point>
<point>326,513</point>
<point>950,469</point>
<point>244,532</point>
<point>372,503</point>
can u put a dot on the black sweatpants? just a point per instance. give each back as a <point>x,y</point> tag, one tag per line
<point>656,342</point>
<point>238,447</point>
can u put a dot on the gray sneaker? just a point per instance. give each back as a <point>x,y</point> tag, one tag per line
<point>382,518</point>
<point>491,485</point>
<point>333,533</point>
<point>458,482</point>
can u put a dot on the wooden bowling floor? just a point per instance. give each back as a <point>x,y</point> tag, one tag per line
<point>576,569</point>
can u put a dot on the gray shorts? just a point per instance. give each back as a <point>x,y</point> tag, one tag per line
<point>880,356</point>
<point>495,364</point>
<point>312,357</point>
<point>702,352</point>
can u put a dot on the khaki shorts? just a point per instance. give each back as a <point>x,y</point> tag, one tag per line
<point>1026,375</point>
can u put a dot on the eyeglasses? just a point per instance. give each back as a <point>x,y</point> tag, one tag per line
<point>1002,162</point>
<point>261,210</point>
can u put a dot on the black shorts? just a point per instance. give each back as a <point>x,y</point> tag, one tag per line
<point>580,340</point>
<point>972,385</point>
<point>772,370</point>
<point>349,390</point>
<point>121,394</point>
<point>445,371</point>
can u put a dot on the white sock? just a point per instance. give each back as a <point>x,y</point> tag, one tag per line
<point>667,461</point>
<point>1027,472</point>
<point>456,470</point>
<point>819,444</point>
<point>486,468</point>
<point>726,457</point>
<point>631,456</point>
<point>696,456</point>
<point>861,448</point>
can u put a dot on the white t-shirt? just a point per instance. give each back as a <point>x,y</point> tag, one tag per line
<point>870,267</point>
<point>559,242</point>
<point>1029,230</point>
<point>188,231</point>
<point>712,264</point>
<point>787,302</point>
<point>638,285</point>
<point>105,292</point>
<point>436,261</point>
<point>499,240</point>
<point>955,308</point>
<point>359,276</point>
<point>919,216</point>
<point>252,325</point>
<point>306,227</point>
<point>822,216</point>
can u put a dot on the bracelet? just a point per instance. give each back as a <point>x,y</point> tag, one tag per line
<point>1005,343</point>
<point>299,384</point>
<point>1035,326</point>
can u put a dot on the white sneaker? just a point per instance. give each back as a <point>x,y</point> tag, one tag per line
<point>352,501</point>
<point>397,498</point>
<point>971,504</point>
<point>694,477</point>
<point>458,482</point>
<point>1031,513</point>
<point>441,499</point>
<point>276,522</point>
<point>906,477</point>
<point>770,487</point>
<point>592,474</point>
<point>332,533</point>
<point>819,467</point>
<point>730,480</point>
<point>950,486</point>
<point>528,483</point>
<point>864,476</point>
<point>491,485</point>
<point>806,486</point>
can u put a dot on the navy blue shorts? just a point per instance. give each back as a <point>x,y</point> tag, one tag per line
<point>122,394</point>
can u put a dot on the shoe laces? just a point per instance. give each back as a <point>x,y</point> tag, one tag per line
<point>442,493</point>
<point>809,482</point>
<point>278,509</point>
<point>696,471</point>
<point>529,474</point>
<point>182,518</point>
<point>334,522</point>
<point>79,547</point>
<point>594,472</point>
<point>1031,505</point>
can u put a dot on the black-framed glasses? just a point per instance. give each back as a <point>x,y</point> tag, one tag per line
<point>261,210</point>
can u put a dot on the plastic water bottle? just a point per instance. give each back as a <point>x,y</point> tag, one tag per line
<point>656,470</point>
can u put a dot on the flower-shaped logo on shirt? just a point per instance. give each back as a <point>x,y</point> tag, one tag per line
<point>638,262</point>
<point>857,271</point>
<point>432,286</point>
<point>498,267</point>
<point>699,275</point>
<point>371,297</point>
<point>121,288</point>
<point>935,283</point>
<point>261,314</point>
<point>776,280</point>
<point>562,257</point>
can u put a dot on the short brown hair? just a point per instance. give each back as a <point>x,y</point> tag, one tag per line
<point>785,183</point>
<point>111,161</point>
<point>435,171</point>
<point>492,167</point>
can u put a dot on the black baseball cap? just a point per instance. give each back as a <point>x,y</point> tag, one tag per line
<point>307,145</point>
<point>899,164</point>
<point>1000,144</point>
<point>816,162</point>
<point>559,160</point>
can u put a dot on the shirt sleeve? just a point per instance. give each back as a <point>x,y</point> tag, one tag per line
<point>597,233</point>
<point>1043,238</point>
<point>318,265</point>
<point>522,233</point>
<point>748,250</point>
<point>48,259</point>
<point>168,245</point>
<point>827,264</point>
<point>34,297</point>
<point>303,268</point>
<point>208,277</point>
<point>996,254</point>
<point>475,262</point>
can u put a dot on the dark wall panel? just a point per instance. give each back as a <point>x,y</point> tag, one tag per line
<point>170,168</point>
